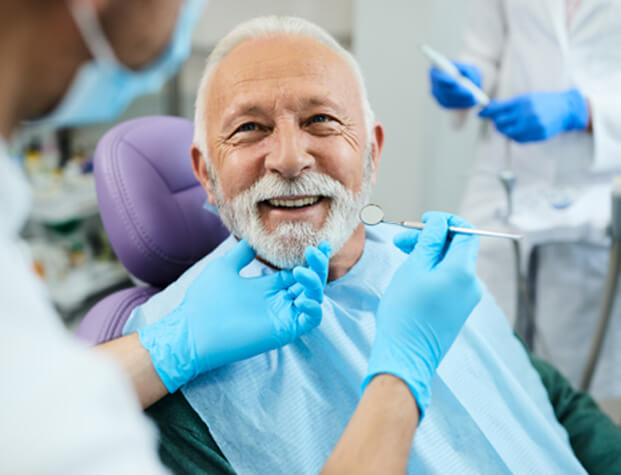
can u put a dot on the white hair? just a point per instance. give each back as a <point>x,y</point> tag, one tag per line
<point>262,27</point>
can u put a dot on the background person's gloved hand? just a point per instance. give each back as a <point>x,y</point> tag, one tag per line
<point>448,93</point>
<point>426,304</point>
<point>539,115</point>
<point>225,317</point>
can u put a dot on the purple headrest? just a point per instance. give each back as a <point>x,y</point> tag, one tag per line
<point>105,321</point>
<point>150,202</point>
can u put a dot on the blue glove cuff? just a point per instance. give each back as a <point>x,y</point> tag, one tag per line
<point>416,374</point>
<point>162,340</point>
<point>422,394</point>
<point>579,110</point>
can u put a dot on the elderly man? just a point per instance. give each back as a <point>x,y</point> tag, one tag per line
<point>287,149</point>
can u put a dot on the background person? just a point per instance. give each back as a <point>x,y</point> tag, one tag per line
<point>553,69</point>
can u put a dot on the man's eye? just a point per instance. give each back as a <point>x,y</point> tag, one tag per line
<point>248,127</point>
<point>319,118</point>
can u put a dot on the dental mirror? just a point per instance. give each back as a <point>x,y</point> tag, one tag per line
<point>373,214</point>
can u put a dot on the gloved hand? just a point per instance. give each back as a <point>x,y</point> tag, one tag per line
<point>426,304</point>
<point>225,317</point>
<point>448,93</point>
<point>539,115</point>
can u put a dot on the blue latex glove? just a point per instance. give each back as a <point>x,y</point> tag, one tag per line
<point>539,115</point>
<point>448,93</point>
<point>225,317</point>
<point>426,304</point>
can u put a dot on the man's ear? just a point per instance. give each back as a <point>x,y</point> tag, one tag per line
<point>377,144</point>
<point>199,167</point>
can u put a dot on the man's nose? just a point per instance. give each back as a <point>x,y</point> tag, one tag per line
<point>289,156</point>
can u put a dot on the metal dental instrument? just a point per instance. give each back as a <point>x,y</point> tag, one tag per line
<point>373,214</point>
<point>612,281</point>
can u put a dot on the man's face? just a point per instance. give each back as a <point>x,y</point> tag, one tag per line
<point>291,160</point>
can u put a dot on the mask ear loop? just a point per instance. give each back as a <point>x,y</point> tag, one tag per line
<point>88,23</point>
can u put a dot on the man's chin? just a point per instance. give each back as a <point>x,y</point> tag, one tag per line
<point>285,247</point>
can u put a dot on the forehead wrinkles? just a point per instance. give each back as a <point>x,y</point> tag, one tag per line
<point>276,65</point>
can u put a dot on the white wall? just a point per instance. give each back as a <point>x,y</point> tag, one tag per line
<point>424,159</point>
<point>220,16</point>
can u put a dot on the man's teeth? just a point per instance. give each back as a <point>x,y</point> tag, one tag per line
<point>311,200</point>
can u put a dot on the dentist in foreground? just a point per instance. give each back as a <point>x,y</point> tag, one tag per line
<point>64,408</point>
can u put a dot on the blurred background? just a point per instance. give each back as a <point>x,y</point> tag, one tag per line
<point>423,165</point>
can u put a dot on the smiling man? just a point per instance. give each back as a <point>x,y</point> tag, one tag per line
<point>287,149</point>
<point>292,149</point>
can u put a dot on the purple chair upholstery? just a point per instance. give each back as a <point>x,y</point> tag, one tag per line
<point>105,321</point>
<point>152,210</point>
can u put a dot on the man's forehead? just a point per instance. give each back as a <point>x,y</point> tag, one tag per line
<point>280,61</point>
<point>280,54</point>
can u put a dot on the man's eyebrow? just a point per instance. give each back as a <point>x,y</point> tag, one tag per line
<point>242,109</point>
<point>253,109</point>
<point>316,101</point>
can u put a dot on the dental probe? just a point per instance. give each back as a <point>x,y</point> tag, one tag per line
<point>457,229</point>
<point>373,214</point>
<point>444,64</point>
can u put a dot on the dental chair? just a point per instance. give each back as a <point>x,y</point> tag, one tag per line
<point>152,209</point>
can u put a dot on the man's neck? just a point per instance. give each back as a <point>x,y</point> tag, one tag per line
<point>349,254</point>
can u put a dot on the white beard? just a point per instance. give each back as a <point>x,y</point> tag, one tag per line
<point>284,247</point>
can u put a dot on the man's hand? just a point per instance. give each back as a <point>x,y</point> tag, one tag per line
<point>426,304</point>
<point>539,116</point>
<point>225,317</point>
<point>448,92</point>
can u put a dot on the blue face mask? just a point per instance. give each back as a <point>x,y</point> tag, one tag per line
<point>103,88</point>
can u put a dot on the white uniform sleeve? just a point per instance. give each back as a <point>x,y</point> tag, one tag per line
<point>484,39</point>
<point>64,408</point>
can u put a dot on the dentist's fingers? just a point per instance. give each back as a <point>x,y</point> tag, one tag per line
<point>313,285</point>
<point>276,281</point>
<point>463,249</point>
<point>326,248</point>
<point>296,289</point>
<point>240,256</point>
<point>318,260</point>
<point>432,240</point>
<point>406,240</point>
<point>310,314</point>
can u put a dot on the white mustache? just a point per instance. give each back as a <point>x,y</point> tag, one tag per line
<point>310,183</point>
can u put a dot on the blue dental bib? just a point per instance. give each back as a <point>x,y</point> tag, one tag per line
<point>283,411</point>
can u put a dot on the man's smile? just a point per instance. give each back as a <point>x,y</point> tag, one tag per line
<point>293,201</point>
<point>311,208</point>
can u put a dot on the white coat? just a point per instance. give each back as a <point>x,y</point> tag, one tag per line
<point>523,46</point>
<point>64,408</point>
